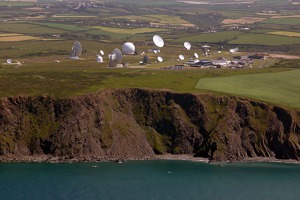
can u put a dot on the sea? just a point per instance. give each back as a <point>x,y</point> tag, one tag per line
<point>156,179</point>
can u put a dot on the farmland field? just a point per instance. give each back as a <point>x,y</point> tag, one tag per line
<point>65,27</point>
<point>285,33</point>
<point>285,21</point>
<point>162,19</point>
<point>212,37</point>
<point>17,38</point>
<point>282,87</point>
<point>129,30</point>
<point>264,39</point>
<point>70,78</point>
<point>243,20</point>
<point>25,28</point>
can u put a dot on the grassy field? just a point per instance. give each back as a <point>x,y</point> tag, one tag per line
<point>265,39</point>
<point>69,78</point>
<point>286,21</point>
<point>65,27</point>
<point>281,88</point>
<point>17,38</point>
<point>285,33</point>
<point>26,28</point>
<point>243,20</point>
<point>212,37</point>
<point>161,19</point>
<point>130,31</point>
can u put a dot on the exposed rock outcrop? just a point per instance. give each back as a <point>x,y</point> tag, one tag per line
<point>136,123</point>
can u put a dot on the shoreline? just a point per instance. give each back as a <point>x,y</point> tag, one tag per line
<point>179,157</point>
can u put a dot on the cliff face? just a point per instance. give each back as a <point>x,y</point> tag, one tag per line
<point>135,123</point>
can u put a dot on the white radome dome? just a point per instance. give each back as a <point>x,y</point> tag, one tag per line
<point>128,48</point>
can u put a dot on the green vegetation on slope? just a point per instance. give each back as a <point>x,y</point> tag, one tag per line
<point>282,87</point>
<point>70,78</point>
<point>265,39</point>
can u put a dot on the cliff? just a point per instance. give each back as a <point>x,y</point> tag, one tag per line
<point>136,123</point>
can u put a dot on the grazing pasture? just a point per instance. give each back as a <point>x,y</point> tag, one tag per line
<point>130,31</point>
<point>160,19</point>
<point>65,27</point>
<point>285,33</point>
<point>18,38</point>
<point>27,28</point>
<point>265,39</point>
<point>243,20</point>
<point>212,37</point>
<point>281,87</point>
<point>283,21</point>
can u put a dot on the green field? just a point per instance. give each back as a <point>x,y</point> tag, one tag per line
<point>265,39</point>
<point>285,33</point>
<point>26,28</point>
<point>69,78</point>
<point>131,31</point>
<point>212,37</point>
<point>281,88</point>
<point>65,27</point>
<point>16,4</point>
<point>162,19</point>
<point>285,21</point>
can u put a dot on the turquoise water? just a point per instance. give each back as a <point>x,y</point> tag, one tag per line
<point>149,180</point>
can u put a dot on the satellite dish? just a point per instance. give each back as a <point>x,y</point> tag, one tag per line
<point>234,50</point>
<point>160,59</point>
<point>187,45</point>
<point>128,48</point>
<point>99,59</point>
<point>181,57</point>
<point>76,50</point>
<point>219,51</point>
<point>154,51</point>
<point>9,61</point>
<point>115,57</point>
<point>158,41</point>
<point>196,55</point>
<point>102,52</point>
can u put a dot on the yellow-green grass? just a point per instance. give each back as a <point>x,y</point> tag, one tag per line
<point>74,16</point>
<point>25,28</point>
<point>265,39</point>
<point>109,35</point>
<point>65,27</point>
<point>162,19</point>
<point>285,33</point>
<point>16,4</point>
<point>284,21</point>
<point>212,37</point>
<point>281,87</point>
<point>18,38</point>
<point>69,78</point>
<point>130,31</point>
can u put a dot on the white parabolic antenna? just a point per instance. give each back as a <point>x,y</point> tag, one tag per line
<point>102,52</point>
<point>234,50</point>
<point>9,61</point>
<point>128,48</point>
<point>187,45</point>
<point>181,57</point>
<point>115,57</point>
<point>196,55</point>
<point>76,50</point>
<point>99,59</point>
<point>160,59</point>
<point>154,51</point>
<point>158,41</point>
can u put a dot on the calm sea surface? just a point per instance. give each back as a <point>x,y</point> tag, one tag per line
<point>149,180</point>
